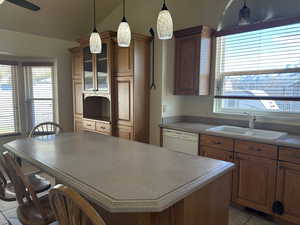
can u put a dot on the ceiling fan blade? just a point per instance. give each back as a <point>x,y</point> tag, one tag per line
<point>25,4</point>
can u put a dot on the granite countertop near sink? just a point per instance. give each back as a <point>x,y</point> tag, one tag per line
<point>286,141</point>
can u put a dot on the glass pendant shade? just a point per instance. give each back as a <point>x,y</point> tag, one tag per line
<point>1,1</point>
<point>95,43</point>
<point>164,24</point>
<point>124,34</point>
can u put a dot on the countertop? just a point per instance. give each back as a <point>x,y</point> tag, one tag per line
<point>120,175</point>
<point>201,128</point>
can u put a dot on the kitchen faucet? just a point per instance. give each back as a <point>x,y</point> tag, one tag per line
<point>252,120</point>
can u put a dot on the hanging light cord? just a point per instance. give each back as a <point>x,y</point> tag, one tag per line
<point>124,8</point>
<point>94,14</point>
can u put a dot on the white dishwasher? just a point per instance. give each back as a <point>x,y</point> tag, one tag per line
<point>181,141</point>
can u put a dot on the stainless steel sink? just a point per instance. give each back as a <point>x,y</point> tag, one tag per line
<point>247,132</point>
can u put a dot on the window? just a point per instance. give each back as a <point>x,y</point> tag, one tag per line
<point>9,118</point>
<point>259,71</point>
<point>40,93</point>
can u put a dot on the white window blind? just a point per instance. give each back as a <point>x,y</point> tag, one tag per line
<point>9,117</point>
<point>259,70</point>
<point>40,94</point>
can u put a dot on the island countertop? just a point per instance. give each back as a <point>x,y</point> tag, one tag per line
<point>120,175</point>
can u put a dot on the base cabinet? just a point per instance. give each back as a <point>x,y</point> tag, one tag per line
<point>125,132</point>
<point>78,125</point>
<point>254,182</point>
<point>288,191</point>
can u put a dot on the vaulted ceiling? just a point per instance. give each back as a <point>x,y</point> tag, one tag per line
<point>63,19</point>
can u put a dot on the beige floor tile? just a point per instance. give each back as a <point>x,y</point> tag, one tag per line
<point>260,221</point>
<point>238,217</point>
<point>11,213</point>
<point>3,221</point>
<point>7,205</point>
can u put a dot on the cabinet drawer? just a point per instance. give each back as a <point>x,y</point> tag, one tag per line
<point>216,153</point>
<point>89,125</point>
<point>256,149</point>
<point>289,154</point>
<point>103,127</point>
<point>217,142</point>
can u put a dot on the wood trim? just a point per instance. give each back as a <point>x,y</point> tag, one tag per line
<point>8,62</point>
<point>257,26</point>
<point>197,31</point>
<point>37,64</point>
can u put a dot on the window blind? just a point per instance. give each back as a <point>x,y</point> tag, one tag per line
<point>8,99</point>
<point>261,65</point>
<point>40,94</point>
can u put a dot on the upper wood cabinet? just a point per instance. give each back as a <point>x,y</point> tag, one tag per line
<point>192,61</point>
<point>96,69</point>
<point>124,61</point>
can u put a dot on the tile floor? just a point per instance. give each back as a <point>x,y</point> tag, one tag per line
<point>236,216</point>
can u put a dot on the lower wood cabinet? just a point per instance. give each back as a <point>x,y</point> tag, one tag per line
<point>125,132</point>
<point>254,182</point>
<point>216,154</point>
<point>288,191</point>
<point>78,125</point>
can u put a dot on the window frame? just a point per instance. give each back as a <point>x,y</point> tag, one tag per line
<point>15,98</point>
<point>217,101</point>
<point>29,99</point>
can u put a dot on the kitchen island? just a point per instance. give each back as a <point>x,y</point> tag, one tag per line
<point>134,183</point>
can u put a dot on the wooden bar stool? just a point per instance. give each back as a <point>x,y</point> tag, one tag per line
<point>72,209</point>
<point>7,190</point>
<point>32,210</point>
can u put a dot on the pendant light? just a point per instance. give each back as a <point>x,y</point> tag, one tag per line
<point>164,24</point>
<point>124,33</point>
<point>95,39</point>
<point>244,16</point>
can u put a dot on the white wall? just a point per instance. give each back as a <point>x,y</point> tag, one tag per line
<point>16,44</point>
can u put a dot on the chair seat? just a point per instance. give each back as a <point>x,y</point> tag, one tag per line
<point>39,184</point>
<point>29,215</point>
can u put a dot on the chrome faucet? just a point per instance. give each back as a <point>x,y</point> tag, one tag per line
<point>252,120</point>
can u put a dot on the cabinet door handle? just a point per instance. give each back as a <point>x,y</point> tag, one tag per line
<point>103,128</point>
<point>216,143</point>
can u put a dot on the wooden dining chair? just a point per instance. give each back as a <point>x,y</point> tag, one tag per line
<point>32,210</point>
<point>47,128</point>
<point>72,209</point>
<point>7,190</point>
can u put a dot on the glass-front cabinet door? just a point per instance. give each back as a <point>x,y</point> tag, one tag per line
<point>88,75</point>
<point>101,70</point>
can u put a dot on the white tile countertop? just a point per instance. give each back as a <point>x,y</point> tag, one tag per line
<point>201,128</point>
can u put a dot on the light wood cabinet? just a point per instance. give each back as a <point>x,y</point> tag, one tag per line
<point>125,132</point>
<point>124,61</point>
<point>226,144</point>
<point>216,154</point>
<point>78,125</point>
<point>124,100</point>
<point>192,60</point>
<point>288,191</point>
<point>131,89</point>
<point>77,93</point>
<point>254,182</point>
<point>111,89</point>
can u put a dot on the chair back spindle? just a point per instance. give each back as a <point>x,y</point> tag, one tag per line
<point>72,209</point>
<point>47,128</point>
